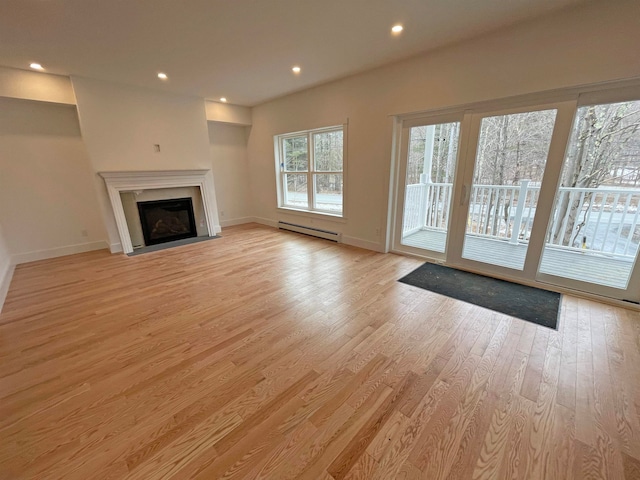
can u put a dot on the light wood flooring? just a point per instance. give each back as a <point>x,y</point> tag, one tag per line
<point>271,355</point>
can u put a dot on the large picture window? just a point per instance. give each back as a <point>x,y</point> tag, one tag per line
<point>311,170</point>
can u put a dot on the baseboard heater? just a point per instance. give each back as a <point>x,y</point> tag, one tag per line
<point>314,232</point>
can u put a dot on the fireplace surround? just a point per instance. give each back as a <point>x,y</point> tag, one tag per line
<point>117,182</point>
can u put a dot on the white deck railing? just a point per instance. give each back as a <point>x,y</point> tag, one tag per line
<point>605,219</point>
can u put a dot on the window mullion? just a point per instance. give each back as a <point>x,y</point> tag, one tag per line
<point>310,178</point>
<point>283,183</point>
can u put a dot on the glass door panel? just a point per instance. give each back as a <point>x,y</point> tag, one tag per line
<point>296,159</point>
<point>430,167</point>
<point>594,231</point>
<point>510,161</point>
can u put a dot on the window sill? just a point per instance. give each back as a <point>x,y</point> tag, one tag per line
<point>314,214</point>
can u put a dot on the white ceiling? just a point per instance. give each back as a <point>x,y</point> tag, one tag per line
<point>239,49</point>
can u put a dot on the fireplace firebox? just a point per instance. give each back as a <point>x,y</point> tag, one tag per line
<point>167,220</point>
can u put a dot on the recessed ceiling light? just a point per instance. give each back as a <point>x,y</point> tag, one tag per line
<point>162,76</point>
<point>223,99</point>
<point>397,29</point>
<point>36,66</point>
<point>296,69</point>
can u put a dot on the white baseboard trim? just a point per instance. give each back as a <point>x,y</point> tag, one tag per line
<point>360,243</point>
<point>5,281</point>
<point>115,247</point>
<point>265,221</point>
<point>216,229</point>
<point>353,241</point>
<point>19,258</point>
<point>236,221</point>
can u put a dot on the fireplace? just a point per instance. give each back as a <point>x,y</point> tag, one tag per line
<point>167,220</point>
<point>120,182</point>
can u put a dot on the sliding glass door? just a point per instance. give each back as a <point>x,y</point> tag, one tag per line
<point>594,230</point>
<point>507,179</point>
<point>510,162</point>
<point>431,154</point>
<point>546,193</point>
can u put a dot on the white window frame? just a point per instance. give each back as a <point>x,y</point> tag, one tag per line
<point>310,172</point>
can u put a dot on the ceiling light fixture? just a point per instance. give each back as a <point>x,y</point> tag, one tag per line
<point>296,69</point>
<point>397,29</point>
<point>162,76</point>
<point>36,66</point>
<point>223,99</point>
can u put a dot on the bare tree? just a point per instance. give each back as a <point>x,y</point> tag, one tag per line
<point>600,135</point>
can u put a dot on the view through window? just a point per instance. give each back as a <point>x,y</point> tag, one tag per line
<point>311,166</point>
<point>577,225</point>
<point>510,161</point>
<point>596,208</point>
<point>431,165</point>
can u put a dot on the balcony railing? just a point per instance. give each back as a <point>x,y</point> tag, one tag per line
<point>592,220</point>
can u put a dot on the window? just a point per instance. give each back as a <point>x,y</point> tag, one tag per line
<point>311,170</point>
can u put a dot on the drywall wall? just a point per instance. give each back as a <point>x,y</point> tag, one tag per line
<point>49,205</point>
<point>29,85</point>
<point>228,150</point>
<point>6,269</point>
<point>225,113</point>
<point>596,42</point>
<point>121,124</point>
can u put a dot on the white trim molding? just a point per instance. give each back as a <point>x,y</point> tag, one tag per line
<point>236,221</point>
<point>146,180</point>
<point>35,255</point>
<point>266,221</point>
<point>361,243</point>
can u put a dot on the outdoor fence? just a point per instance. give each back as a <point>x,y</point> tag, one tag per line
<point>596,220</point>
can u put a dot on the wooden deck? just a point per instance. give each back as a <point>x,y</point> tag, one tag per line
<point>575,265</point>
<point>272,355</point>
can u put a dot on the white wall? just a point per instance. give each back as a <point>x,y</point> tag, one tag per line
<point>121,124</point>
<point>225,113</point>
<point>49,206</point>
<point>30,85</point>
<point>593,43</point>
<point>228,150</point>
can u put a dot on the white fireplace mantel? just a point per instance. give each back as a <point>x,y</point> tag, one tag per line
<point>146,180</point>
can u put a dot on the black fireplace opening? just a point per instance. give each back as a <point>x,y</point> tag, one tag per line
<point>167,220</point>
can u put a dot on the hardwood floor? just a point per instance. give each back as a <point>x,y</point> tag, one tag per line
<point>271,355</point>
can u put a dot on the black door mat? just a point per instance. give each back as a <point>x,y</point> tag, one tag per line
<point>528,303</point>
